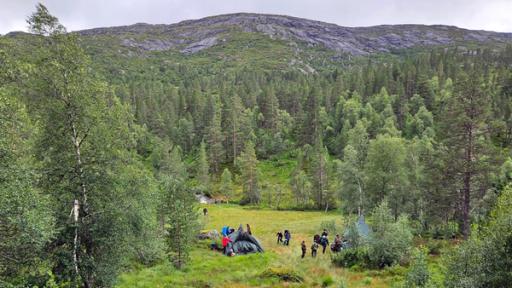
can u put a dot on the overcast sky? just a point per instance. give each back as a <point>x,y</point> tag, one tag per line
<point>82,14</point>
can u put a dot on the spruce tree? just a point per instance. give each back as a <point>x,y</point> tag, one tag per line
<point>466,136</point>
<point>226,184</point>
<point>248,166</point>
<point>202,168</point>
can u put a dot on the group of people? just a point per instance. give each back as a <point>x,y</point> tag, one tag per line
<point>322,240</point>
<point>287,236</point>
<point>226,240</point>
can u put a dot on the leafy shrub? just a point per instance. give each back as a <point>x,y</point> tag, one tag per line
<point>434,247</point>
<point>390,241</point>
<point>445,231</point>
<point>351,257</point>
<point>418,275</point>
<point>367,281</point>
<point>282,273</point>
<point>484,260</point>
<point>327,281</point>
<point>330,226</point>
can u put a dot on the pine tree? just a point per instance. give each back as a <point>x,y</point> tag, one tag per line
<point>182,220</point>
<point>202,169</point>
<point>247,164</point>
<point>233,127</point>
<point>319,175</point>
<point>215,139</point>
<point>226,184</point>
<point>466,136</point>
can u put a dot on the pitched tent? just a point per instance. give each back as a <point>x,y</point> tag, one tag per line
<point>362,227</point>
<point>363,231</point>
<point>243,243</point>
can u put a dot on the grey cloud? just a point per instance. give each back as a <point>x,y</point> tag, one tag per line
<point>83,14</point>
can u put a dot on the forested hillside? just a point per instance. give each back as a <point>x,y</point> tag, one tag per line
<point>107,134</point>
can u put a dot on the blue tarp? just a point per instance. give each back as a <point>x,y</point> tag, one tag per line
<point>225,230</point>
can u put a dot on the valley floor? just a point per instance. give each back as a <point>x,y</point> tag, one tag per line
<point>209,268</point>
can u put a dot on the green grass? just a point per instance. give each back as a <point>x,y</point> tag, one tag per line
<point>211,269</point>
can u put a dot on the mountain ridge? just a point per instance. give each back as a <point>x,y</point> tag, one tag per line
<point>199,34</point>
<point>192,36</point>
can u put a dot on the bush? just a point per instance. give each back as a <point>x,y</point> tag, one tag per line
<point>448,230</point>
<point>434,247</point>
<point>330,226</point>
<point>351,257</point>
<point>282,273</point>
<point>484,260</point>
<point>390,241</point>
<point>418,275</point>
<point>327,281</point>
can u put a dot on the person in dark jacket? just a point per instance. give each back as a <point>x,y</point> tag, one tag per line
<point>205,211</point>
<point>324,242</point>
<point>287,237</point>
<point>314,248</point>
<point>303,247</point>
<point>279,237</point>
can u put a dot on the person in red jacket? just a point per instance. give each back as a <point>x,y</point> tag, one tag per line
<point>225,242</point>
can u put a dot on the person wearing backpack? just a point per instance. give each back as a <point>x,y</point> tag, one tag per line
<point>324,242</point>
<point>314,248</point>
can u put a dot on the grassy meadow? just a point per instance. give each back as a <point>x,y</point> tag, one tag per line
<point>274,268</point>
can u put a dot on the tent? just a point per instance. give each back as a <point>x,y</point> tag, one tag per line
<point>363,232</point>
<point>243,243</point>
<point>362,227</point>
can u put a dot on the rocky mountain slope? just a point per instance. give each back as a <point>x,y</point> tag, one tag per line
<point>192,36</point>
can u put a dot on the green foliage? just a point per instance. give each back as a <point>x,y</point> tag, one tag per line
<point>247,164</point>
<point>202,169</point>
<point>390,241</point>
<point>484,260</point>
<point>85,149</point>
<point>26,222</point>
<point>327,281</point>
<point>226,184</point>
<point>283,274</point>
<point>182,221</point>
<point>394,128</point>
<point>352,256</point>
<point>386,172</point>
<point>330,226</point>
<point>418,274</point>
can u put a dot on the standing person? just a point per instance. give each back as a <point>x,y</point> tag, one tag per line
<point>249,229</point>
<point>316,238</point>
<point>279,237</point>
<point>324,242</point>
<point>287,237</point>
<point>205,211</point>
<point>303,247</point>
<point>325,233</point>
<point>314,248</point>
<point>337,243</point>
